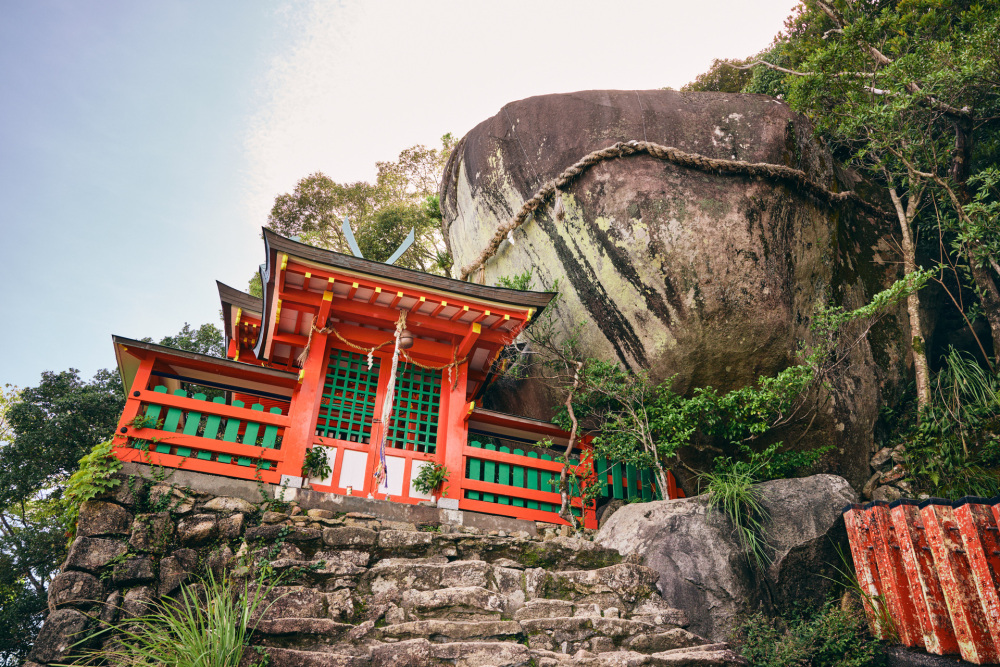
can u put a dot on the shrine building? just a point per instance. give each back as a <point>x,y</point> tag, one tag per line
<point>380,366</point>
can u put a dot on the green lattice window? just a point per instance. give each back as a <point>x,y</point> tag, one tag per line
<point>415,411</point>
<point>348,402</point>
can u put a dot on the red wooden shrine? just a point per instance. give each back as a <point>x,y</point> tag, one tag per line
<point>309,365</point>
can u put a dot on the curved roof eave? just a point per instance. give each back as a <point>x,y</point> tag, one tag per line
<point>275,243</point>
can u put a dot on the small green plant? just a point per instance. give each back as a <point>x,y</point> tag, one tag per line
<point>207,625</point>
<point>875,606</point>
<point>830,636</point>
<point>520,281</point>
<point>145,421</point>
<point>94,477</point>
<point>430,478</point>
<point>316,463</point>
<point>731,490</point>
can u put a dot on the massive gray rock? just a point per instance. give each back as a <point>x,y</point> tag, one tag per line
<point>702,568</point>
<point>709,276</point>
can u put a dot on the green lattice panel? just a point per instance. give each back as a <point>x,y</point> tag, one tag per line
<point>348,402</point>
<point>415,410</point>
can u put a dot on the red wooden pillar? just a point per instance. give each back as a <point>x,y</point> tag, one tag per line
<point>967,616</point>
<point>895,585</point>
<point>925,589</point>
<point>304,406</point>
<point>455,432</point>
<point>863,553</point>
<point>978,529</point>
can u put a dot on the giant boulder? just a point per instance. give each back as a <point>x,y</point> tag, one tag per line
<point>704,572</point>
<point>712,277</point>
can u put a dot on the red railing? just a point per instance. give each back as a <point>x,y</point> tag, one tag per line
<point>931,573</point>
<point>519,482</point>
<point>170,419</point>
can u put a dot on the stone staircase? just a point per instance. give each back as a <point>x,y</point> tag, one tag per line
<point>367,592</point>
<point>396,586</point>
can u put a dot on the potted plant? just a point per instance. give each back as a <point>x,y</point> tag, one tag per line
<point>430,478</point>
<point>315,464</point>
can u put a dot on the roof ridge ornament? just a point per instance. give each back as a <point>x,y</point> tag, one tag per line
<point>353,244</point>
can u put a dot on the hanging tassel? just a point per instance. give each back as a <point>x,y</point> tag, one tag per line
<point>380,473</point>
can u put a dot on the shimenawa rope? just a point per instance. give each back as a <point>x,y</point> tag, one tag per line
<point>674,156</point>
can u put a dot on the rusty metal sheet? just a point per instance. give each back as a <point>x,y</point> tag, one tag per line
<point>968,618</point>
<point>978,528</point>
<point>925,588</point>
<point>895,585</point>
<point>863,554</point>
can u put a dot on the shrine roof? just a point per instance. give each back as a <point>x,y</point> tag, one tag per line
<point>204,369</point>
<point>275,243</point>
<point>232,301</point>
<point>361,288</point>
<point>234,297</point>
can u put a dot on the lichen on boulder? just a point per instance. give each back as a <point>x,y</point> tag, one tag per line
<point>708,277</point>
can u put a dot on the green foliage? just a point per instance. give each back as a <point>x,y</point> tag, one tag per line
<point>430,478</point>
<point>955,449</point>
<point>520,281</point>
<point>254,287</point>
<point>404,196</point>
<point>722,78</point>
<point>94,477</point>
<point>208,625</point>
<point>731,490</point>
<point>54,425</point>
<point>206,339</point>
<point>48,429</point>
<point>316,463</point>
<point>826,637</point>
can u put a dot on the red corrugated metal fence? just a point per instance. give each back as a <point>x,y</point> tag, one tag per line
<point>933,569</point>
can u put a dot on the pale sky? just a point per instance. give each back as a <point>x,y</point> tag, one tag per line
<point>142,143</point>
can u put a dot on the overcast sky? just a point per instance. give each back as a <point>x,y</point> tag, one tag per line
<point>142,143</point>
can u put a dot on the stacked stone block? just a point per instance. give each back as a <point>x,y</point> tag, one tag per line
<point>356,590</point>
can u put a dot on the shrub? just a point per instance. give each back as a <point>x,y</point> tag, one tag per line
<point>316,463</point>
<point>830,636</point>
<point>207,625</point>
<point>430,477</point>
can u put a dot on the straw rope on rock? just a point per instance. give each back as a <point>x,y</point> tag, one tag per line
<point>796,177</point>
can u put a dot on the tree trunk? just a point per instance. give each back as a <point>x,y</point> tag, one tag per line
<point>917,345</point>
<point>989,296</point>
<point>566,507</point>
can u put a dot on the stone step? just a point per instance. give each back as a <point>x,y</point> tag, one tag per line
<point>421,652</point>
<point>442,631</point>
<point>557,553</point>
<point>327,627</point>
<point>657,642</point>
<point>714,655</point>
<point>630,582</point>
<point>286,657</point>
<point>569,634</point>
<point>457,604</point>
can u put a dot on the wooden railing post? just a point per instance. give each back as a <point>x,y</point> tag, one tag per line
<point>304,407</point>
<point>132,402</point>
<point>456,428</point>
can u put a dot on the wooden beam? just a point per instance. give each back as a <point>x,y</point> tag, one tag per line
<point>468,341</point>
<point>383,314</point>
<point>374,296</point>
<point>461,311</point>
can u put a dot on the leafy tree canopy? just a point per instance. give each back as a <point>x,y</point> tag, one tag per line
<point>403,197</point>
<point>206,339</point>
<point>44,432</point>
